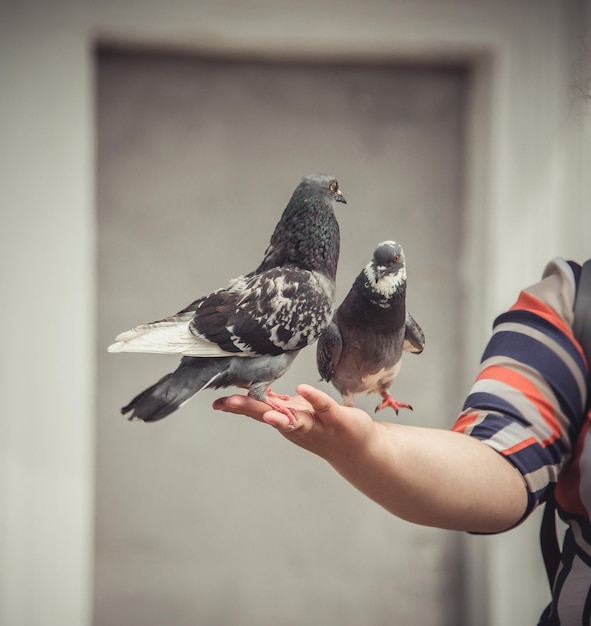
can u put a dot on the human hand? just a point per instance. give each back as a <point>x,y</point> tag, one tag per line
<point>323,426</point>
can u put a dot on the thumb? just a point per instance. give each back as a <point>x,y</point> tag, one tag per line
<point>322,403</point>
<point>331,414</point>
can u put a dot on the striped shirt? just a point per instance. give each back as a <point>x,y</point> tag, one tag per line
<point>528,403</point>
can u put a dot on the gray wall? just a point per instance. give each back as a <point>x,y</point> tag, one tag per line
<point>209,519</point>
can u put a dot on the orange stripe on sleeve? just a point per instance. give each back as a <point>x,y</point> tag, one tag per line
<point>526,443</point>
<point>527,302</point>
<point>464,422</point>
<point>525,387</point>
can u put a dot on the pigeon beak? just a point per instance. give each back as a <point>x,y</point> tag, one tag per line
<point>340,197</point>
<point>379,271</point>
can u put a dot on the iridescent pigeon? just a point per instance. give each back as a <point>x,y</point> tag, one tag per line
<point>361,351</point>
<point>248,333</point>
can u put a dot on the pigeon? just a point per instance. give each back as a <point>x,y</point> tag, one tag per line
<point>248,333</point>
<point>361,350</point>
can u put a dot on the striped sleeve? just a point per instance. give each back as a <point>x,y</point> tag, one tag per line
<point>527,401</point>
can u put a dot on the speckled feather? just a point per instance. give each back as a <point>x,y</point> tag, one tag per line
<point>280,309</point>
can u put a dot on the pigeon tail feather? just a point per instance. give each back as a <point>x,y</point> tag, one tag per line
<point>173,390</point>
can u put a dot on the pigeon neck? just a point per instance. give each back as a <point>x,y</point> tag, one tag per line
<point>308,238</point>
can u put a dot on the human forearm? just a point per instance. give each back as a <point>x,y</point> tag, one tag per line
<point>436,478</point>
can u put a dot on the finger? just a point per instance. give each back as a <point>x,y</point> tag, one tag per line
<point>321,402</point>
<point>242,405</point>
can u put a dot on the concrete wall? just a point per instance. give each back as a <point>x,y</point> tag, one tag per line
<point>197,159</point>
<point>526,199</point>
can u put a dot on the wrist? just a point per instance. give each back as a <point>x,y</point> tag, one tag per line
<point>360,452</point>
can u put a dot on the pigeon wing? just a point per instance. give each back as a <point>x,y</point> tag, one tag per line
<point>275,311</point>
<point>414,338</point>
<point>328,351</point>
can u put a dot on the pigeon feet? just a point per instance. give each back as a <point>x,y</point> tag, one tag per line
<point>389,401</point>
<point>271,398</point>
<point>281,408</point>
<point>279,396</point>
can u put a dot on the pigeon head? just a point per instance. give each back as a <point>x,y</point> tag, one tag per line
<point>386,273</point>
<point>307,234</point>
<point>316,185</point>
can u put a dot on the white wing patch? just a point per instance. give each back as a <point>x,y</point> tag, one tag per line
<point>170,336</point>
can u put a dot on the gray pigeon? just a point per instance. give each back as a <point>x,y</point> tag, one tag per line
<point>248,333</point>
<point>361,350</point>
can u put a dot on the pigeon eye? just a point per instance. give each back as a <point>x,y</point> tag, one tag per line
<point>396,257</point>
<point>333,186</point>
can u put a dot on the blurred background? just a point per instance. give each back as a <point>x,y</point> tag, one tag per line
<point>148,150</point>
